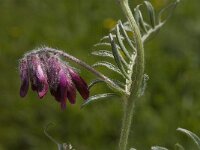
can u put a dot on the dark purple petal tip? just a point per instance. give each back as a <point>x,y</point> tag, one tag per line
<point>24,78</point>
<point>80,84</point>
<point>71,92</point>
<point>24,88</point>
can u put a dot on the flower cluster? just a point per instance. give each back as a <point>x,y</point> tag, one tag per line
<point>47,71</point>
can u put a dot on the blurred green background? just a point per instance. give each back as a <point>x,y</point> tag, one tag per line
<point>171,99</point>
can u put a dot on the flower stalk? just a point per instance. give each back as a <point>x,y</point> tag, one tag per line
<point>137,78</point>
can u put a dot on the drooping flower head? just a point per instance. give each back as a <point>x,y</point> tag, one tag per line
<point>48,71</point>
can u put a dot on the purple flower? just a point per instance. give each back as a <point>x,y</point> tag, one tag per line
<point>23,67</point>
<point>51,72</point>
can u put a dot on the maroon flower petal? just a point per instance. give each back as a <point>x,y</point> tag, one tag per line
<point>33,86</point>
<point>24,88</point>
<point>80,84</point>
<point>61,92</point>
<point>71,94</point>
<point>23,67</point>
<point>53,93</point>
<point>71,90</point>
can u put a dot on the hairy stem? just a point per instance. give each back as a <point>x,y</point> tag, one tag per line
<point>136,78</point>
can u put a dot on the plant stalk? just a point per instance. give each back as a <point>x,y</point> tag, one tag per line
<point>136,78</point>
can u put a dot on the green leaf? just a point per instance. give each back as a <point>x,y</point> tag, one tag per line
<point>119,83</point>
<point>94,82</point>
<point>151,12</point>
<point>98,97</point>
<point>158,148</point>
<point>171,8</point>
<point>193,136</point>
<point>126,37</point>
<point>121,44</point>
<point>140,19</point>
<point>151,32</point>
<point>105,44</point>
<point>179,147</point>
<point>103,53</point>
<point>117,57</point>
<point>108,65</point>
<point>107,38</point>
<point>137,15</point>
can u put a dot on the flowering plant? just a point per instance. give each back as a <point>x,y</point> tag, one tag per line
<point>46,68</point>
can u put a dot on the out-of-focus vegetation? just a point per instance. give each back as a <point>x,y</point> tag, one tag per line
<point>171,100</point>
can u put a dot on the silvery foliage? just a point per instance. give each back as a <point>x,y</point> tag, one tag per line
<point>178,146</point>
<point>118,50</point>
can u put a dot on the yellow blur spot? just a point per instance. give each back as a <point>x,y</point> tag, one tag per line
<point>109,23</point>
<point>159,4</point>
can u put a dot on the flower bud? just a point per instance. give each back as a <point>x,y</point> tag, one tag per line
<point>48,70</point>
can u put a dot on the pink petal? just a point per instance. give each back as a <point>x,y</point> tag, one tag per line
<point>38,76</point>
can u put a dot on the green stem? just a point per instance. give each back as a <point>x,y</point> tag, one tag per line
<point>126,124</point>
<point>136,78</point>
